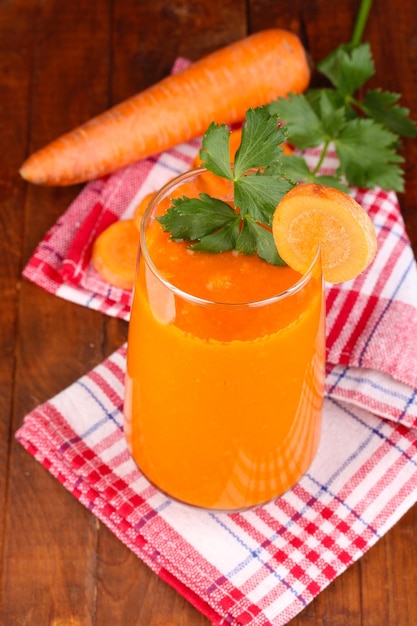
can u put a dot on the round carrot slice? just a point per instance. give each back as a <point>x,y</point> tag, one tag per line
<point>114,253</point>
<point>312,215</point>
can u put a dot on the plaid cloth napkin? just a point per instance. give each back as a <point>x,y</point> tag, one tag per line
<point>259,567</point>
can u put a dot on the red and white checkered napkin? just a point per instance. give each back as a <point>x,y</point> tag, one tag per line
<point>61,262</point>
<point>259,567</point>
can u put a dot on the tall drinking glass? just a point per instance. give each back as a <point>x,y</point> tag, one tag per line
<point>224,395</point>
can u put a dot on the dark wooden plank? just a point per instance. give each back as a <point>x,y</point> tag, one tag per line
<point>149,36</point>
<point>15,66</point>
<point>15,78</point>
<point>60,64</point>
<point>50,538</point>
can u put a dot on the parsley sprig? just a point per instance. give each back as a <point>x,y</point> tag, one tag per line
<point>212,225</point>
<point>365,132</point>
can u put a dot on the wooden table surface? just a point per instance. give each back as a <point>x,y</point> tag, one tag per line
<point>61,63</point>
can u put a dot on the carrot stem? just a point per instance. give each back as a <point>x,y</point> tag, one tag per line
<point>361,21</point>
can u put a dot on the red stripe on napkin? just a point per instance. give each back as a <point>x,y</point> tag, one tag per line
<point>79,251</point>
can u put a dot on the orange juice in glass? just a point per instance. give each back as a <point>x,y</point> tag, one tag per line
<point>225,368</point>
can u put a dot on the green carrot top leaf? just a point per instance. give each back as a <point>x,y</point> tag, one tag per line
<point>212,225</point>
<point>348,68</point>
<point>365,132</point>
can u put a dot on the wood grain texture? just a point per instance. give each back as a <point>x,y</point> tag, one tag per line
<point>60,64</point>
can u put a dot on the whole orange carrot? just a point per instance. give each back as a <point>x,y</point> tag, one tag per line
<point>219,87</point>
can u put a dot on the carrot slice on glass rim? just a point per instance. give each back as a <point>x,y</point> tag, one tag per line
<point>313,215</point>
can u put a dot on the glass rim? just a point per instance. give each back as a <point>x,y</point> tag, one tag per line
<point>160,195</point>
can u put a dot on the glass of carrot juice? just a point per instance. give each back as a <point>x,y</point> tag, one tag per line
<point>225,367</point>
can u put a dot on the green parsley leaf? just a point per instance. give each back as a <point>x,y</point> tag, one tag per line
<point>194,218</point>
<point>253,238</point>
<point>246,242</point>
<point>366,132</point>
<point>221,240</point>
<point>348,68</point>
<point>215,154</point>
<point>261,141</point>
<point>266,247</point>
<point>382,107</point>
<point>211,225</point>
<point>296,168</point>
<point>333,117</point>
<point>305,128</point>
<point>366,154</point>
<point>259,194</point>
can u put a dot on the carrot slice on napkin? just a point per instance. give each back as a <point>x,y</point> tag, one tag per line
<point>114,253</point>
